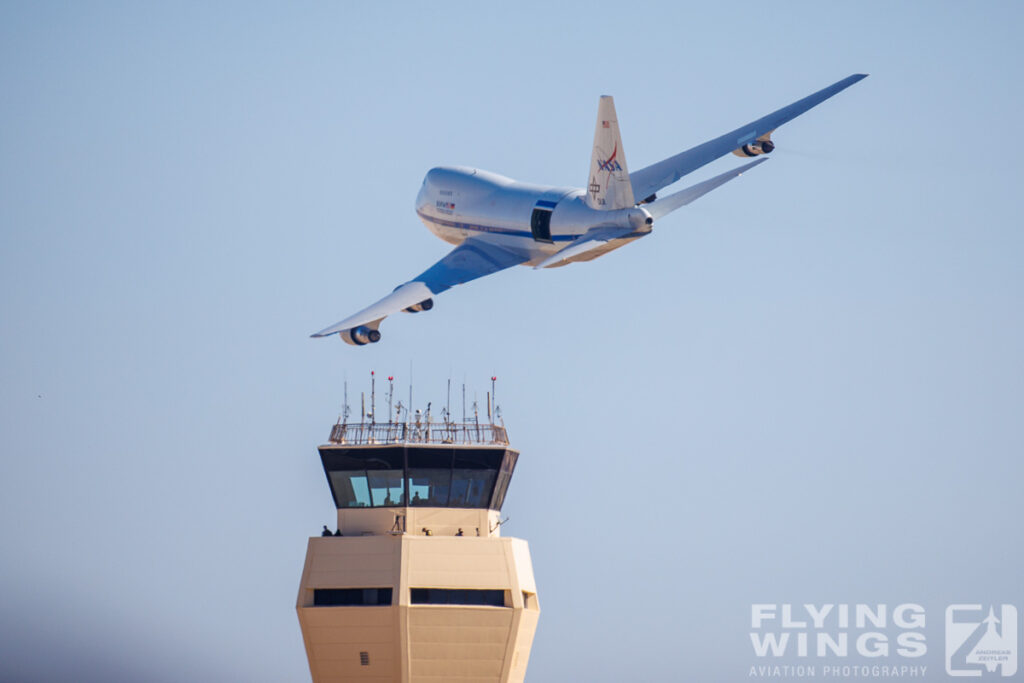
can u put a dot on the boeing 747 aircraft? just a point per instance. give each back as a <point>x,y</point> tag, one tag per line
<point>496,222</point>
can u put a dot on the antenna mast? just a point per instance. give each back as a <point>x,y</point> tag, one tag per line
<point>494,397</point>
<point>391,391</point>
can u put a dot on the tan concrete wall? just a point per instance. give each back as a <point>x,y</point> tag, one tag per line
<point>448,643</point>
<point>336,635</point>
<point>418,521</point>
<point>419,643</point>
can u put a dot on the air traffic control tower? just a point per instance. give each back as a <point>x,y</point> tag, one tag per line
<point>419,585</point>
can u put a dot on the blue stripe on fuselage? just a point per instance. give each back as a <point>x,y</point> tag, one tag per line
<point>490,228</point>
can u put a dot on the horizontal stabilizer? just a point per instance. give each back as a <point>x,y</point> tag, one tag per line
<point>592,239</point>
<point>667,205</point>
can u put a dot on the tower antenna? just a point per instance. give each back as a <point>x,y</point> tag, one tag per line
<point>476,417</point>
<point>494,397</point>
<point>391,391</point>
<point>463,402</point>
<point>373,398</point>
<point>448,403</point>
<point>344,407</point>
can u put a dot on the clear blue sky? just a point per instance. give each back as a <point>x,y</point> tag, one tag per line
<point>804,387</point>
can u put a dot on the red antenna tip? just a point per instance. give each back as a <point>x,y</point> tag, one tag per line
<point>493,378</point>
<point>390,378</point>
<point>371,373</point>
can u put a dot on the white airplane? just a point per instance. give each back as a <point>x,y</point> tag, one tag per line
<point>497,222</point>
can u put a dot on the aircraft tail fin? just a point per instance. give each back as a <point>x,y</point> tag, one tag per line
<point>609,187</point>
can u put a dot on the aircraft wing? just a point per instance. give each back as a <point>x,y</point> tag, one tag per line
<point>649,180</point>
<point>472,259</point>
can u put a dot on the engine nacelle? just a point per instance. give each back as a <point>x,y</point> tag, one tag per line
<point>361,335</point>
<point>762,145</point>
<point>424,305</point>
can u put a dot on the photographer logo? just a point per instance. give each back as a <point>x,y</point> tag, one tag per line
<point>981,642</point>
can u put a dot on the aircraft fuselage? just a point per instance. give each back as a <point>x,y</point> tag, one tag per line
<point>456,203</point>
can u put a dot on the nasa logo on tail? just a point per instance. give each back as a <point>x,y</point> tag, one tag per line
<point>610,164</point>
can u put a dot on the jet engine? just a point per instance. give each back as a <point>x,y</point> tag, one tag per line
<point>424,305</point>
<point>762,145</point>
<point>361,335</point>
<point>754,148</point>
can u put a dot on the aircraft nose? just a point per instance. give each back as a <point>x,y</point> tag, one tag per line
<point>421,198</point>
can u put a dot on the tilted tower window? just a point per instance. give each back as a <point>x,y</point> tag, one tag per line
<point>391,476</point>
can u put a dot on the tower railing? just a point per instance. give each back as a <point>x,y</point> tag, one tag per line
<point>458,433</point>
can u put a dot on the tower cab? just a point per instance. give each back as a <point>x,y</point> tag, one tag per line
<point>422,489</point>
